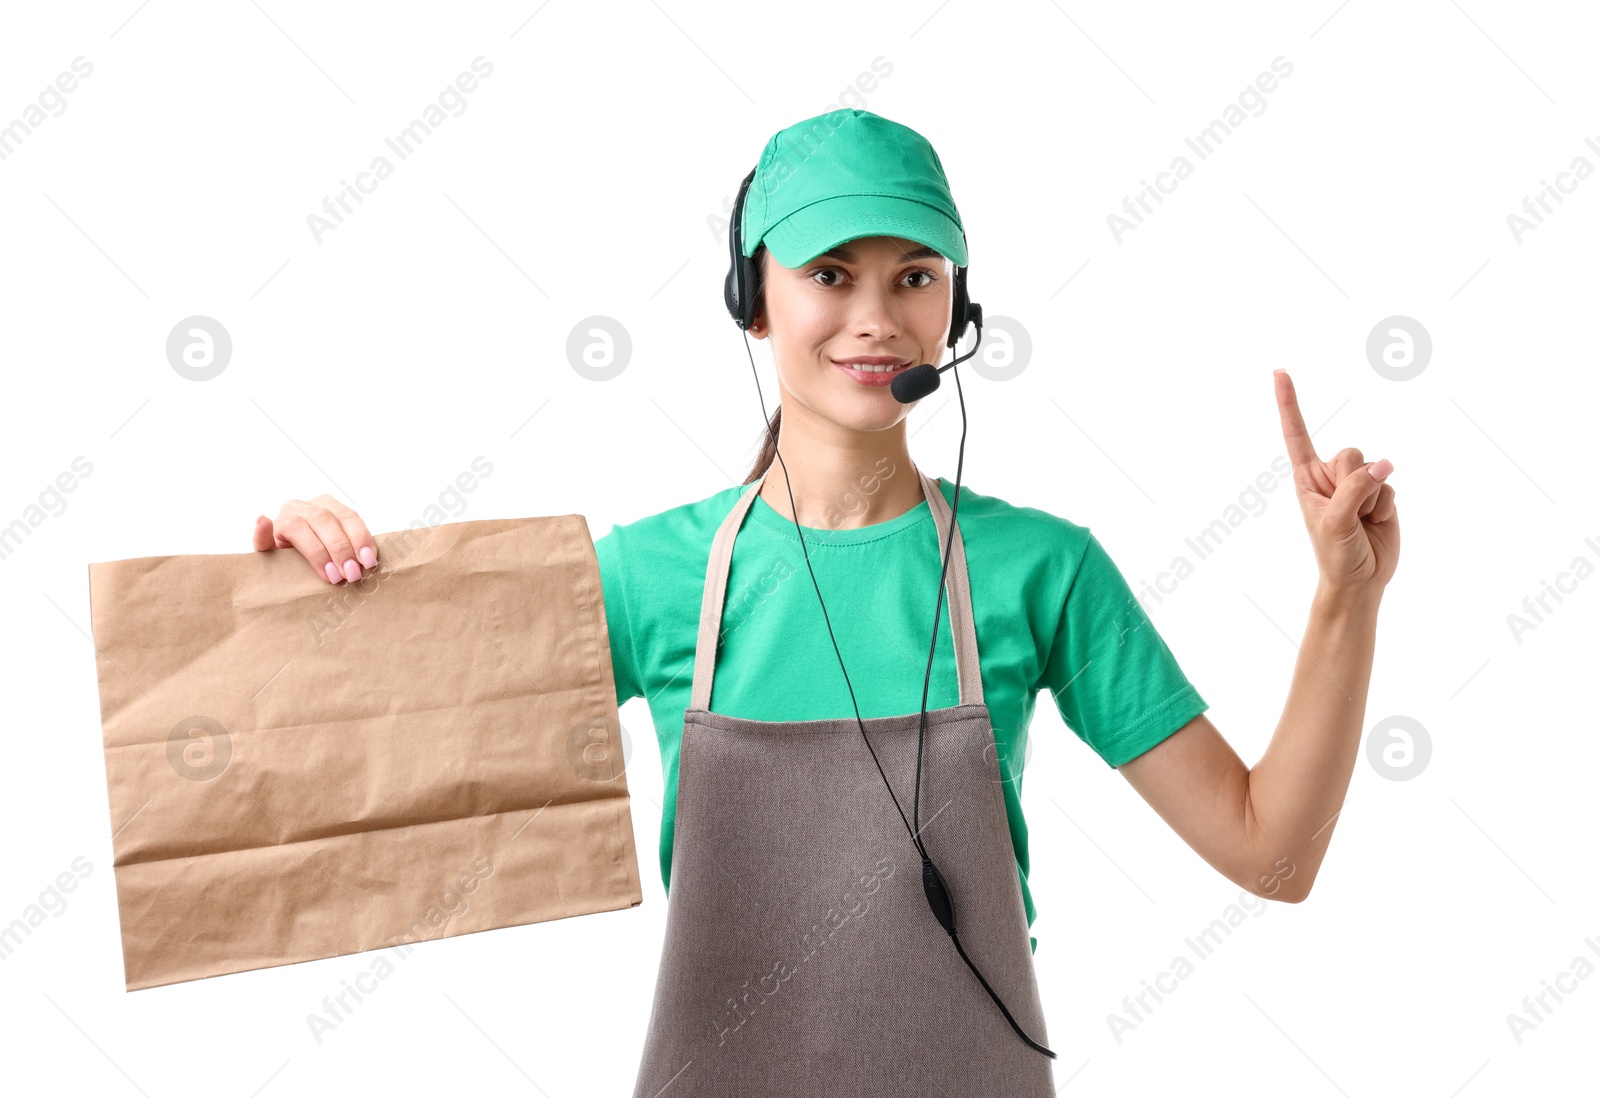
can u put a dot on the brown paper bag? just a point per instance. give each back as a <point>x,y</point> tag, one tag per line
<point>300,770</point>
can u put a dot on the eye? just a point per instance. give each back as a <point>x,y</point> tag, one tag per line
<point>929,275</point>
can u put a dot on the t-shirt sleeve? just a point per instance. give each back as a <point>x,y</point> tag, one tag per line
<point>619,625</point>
<point>1114,680</point>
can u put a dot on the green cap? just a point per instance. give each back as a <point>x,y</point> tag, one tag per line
<point>848,174</point>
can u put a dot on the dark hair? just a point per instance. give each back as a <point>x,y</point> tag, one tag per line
<point>768,453</point>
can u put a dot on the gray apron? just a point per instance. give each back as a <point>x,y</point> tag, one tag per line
<point>801,957</point>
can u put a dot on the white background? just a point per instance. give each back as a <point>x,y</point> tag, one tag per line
<point>581,179</point>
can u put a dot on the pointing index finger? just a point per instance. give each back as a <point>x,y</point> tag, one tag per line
<point>1295,435</point>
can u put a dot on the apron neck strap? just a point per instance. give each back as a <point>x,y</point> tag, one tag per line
<point>958,596</point>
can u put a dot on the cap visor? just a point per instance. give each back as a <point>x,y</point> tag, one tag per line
<point>821,226</point>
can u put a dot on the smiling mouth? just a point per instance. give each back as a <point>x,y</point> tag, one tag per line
<point>868,368</point>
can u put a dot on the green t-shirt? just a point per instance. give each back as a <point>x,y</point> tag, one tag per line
<point>1052,612</point>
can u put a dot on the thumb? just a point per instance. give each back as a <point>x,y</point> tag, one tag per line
<point>261,538</point>
<point>1359,487</point>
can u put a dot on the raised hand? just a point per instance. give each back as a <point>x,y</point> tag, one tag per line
<point>1349,510</point>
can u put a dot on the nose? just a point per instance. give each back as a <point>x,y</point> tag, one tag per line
<point>873,317</point>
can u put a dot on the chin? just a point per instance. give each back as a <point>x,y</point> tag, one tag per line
<point>870,412</point>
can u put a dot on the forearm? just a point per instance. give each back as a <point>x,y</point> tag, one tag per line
<point>1295,792</point>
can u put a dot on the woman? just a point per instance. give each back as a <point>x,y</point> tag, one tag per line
<point>801,952</point>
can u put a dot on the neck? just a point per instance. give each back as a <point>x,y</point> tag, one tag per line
<point>841,478</point>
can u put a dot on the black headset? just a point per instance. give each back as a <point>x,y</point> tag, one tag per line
<point>741,291</point>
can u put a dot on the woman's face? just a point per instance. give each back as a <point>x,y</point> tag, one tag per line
<point>873,297</point>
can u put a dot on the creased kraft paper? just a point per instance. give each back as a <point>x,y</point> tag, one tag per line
<point>299,770</point>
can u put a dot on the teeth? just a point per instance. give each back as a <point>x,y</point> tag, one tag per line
<point>867,369</point>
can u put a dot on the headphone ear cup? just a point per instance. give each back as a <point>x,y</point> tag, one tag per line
<point>740,287</point>
<point>960,309</point>
<point>740,290</point>
<point>730,294</point>
<point>752,284</point>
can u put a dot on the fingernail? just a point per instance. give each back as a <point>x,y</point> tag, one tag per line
<point>1380,469</point>
<point>332,572</point>
<point>368,557</point>
<point>352,571</point>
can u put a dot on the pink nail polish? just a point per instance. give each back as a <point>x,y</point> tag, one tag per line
<point>331,572</point>
<point>368,557</point>
<point>352,571</point>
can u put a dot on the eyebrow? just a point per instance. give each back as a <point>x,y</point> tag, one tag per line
<point>845,254</point>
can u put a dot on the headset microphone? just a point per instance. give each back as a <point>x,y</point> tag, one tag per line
<point>920,381</point>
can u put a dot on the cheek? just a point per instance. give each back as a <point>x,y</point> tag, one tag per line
<point>804,332</point>
<point>809,322</point>
<point>932,319</point>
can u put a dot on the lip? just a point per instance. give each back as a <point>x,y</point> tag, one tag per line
<point>875,380</point>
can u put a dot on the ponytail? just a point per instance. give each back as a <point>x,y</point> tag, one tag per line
<point>768,453</point>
